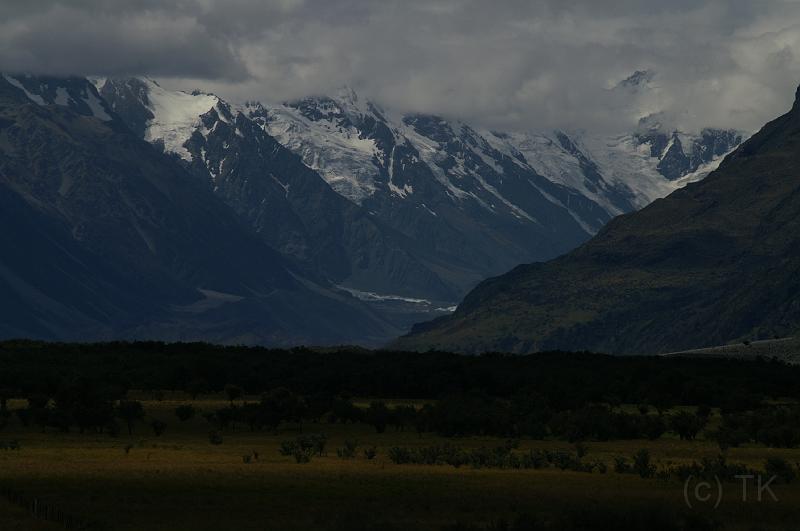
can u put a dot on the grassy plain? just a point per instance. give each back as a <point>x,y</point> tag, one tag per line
<point>180,481</point>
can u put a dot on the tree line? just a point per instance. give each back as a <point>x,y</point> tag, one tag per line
<point>565,380</point>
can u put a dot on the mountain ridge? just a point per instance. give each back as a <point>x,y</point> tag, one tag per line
<point>116,240</point>
<point>713,262</point>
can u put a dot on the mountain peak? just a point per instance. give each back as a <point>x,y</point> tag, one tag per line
<point>639,78</point>
<point>76,93</point>
<point>347,94</point>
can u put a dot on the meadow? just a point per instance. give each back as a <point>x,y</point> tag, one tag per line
<point>180,481</point>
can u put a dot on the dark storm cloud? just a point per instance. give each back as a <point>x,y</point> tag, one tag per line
<point>515,64</point>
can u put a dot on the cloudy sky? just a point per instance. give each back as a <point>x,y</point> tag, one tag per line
<point>515,64</point>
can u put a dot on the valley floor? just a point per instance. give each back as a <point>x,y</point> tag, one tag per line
<point>180,481</point>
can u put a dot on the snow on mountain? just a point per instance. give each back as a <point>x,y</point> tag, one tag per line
<point>334,146</point>
<point>337,137</point>
<point>416,206</point>
<point>365,153</point>
<point>75,93</point>
<point>175,115</point>
<point>369,155</point>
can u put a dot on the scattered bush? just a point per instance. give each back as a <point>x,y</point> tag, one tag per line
<point>581,450</point>
<point>9,445</point>
<point>498,457</point>
<point>378,415</point>
<point>642,465</point>
<point>780,468</point>
<point>302,448</point>
<point>399,456</point>
<point>130,411</point>
<point>159,427</point>
<point>185,412</point>
<point>215,437</point>
<point>621,465</point>
<point>686,425</point>
<point>348,451</point>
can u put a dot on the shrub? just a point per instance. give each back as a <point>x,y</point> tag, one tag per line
<point>215,438</point>
<point>686,425</point>
<point>130,411</point>
<point>621,465</point>
<point>780,468</point>
<point>581,450</point>
<point>535,459</point>
<point>378,415</point>
<point>709,469</point>
<point>158,426</point>
<point>185,412</point>
<point>301,448</point>
<point>318,442</point>
<point>642,465</point>
<point>370,452</point>
<point>233,392</point>
<point>399,456</point>
<point>9,445</point>
<point>348,451</point>
<point>729,437</point>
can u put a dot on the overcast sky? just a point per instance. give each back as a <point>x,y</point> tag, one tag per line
<point>516,64</point>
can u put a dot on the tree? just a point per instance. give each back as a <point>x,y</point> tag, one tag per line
<point>39,409</point>
<point>158,427</point>
<point>653,427</point>
<point>130,411</point>
<point>704,411</point>
<point>185,412</point>
<point>197,387</point>
<point>378,415</point>
<point>5,396</point>
<point>686,425</point>
<point>234,392</point>
<point>343,410</point>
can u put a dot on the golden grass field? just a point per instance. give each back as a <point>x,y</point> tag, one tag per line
<point>179,481</point>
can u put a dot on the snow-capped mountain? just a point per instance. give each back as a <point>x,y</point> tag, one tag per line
<point>75,93</point>
<point>409,207</point>
<point>620,173</point>
<point>404,211</point>
<point>371,156</point>
<point>418,208</point>
<point>107,238</point>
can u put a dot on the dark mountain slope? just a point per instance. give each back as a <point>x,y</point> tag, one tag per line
<point>290,207</point>
<point>106,237</point>
<point>714,262</point>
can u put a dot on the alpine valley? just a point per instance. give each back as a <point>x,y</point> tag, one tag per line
<point>714,262</point>
<point>142,212</point>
